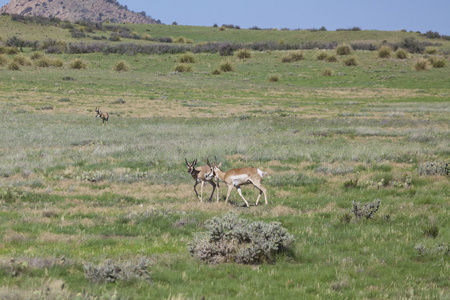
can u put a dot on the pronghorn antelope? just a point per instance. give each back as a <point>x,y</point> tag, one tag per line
<point>104,116</point>
<point>237,177</point>
<point>202,174</point>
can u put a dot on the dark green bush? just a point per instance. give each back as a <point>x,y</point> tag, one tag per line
<point>226,67</point>
<point>233,239</point>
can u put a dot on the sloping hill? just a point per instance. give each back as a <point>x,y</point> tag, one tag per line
<point>74,10</point>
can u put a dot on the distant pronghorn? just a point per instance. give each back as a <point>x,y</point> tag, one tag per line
<point>202,174</point>
<point>237,177</point>
<point>104,116</point>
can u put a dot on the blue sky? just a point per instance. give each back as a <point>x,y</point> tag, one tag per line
<point>392,15</point>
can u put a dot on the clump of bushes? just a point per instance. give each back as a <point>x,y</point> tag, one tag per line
<point>78,64</point>
<point>187,58</point>
<point>232,239</point>
<point>183,68</point>
<point>110,271</point>
<point>384,52</point>
<point>350,62</point>
<point>122,66</point>
<point>401,54</point>
<point>322,56</point>
<point>293,56</point>
<point>226,67</point>
<point>422,65</point>
<point>216,72</point>
<point>367,210</point>
<point>343,49</point>
<point>243,54</point>
<point>431,168</point>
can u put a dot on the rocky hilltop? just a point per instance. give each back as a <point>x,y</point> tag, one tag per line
<point>75,10</point>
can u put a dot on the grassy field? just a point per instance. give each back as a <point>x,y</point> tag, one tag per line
<point>77,196</point>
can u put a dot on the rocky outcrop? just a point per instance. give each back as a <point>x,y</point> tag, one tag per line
<point>75,10</point>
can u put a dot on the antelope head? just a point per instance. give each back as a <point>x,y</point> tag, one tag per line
<point>191,167</point>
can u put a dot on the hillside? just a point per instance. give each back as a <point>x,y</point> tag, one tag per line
<point>93,10</point>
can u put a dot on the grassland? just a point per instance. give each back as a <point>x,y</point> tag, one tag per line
<point>75,192</point>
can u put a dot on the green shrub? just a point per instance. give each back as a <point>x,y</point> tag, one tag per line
<point>401,54</point>
<point>216,72</point>
<point>437,62</point>
<point>430,230</point>
<point>3,60</point>
<point>233,239</point>
<point>274,78</point>
<point>367,211</point>
<point>78,64</point>
<point>122,66</point>
<point>183,68</point>
<point>13,66</point>
<point>350,61</point>
<point>345,217</point>
<point>322,56</point>
<point>226,67</point>
<point>243,54</point>
<point>422,65</point>
<point>187,58</point>
<point>326,72</point>
<point>343,49</point>
<point>384,52</point>
<point>293,56</point>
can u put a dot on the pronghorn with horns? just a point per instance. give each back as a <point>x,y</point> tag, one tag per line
<point>201,175</point>
<point>104,116</point>
<point>237,177</point>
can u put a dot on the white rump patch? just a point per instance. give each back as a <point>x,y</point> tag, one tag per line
<point>261,173</point>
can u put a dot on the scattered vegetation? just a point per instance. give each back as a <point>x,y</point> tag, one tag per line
<point>431,168</point>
